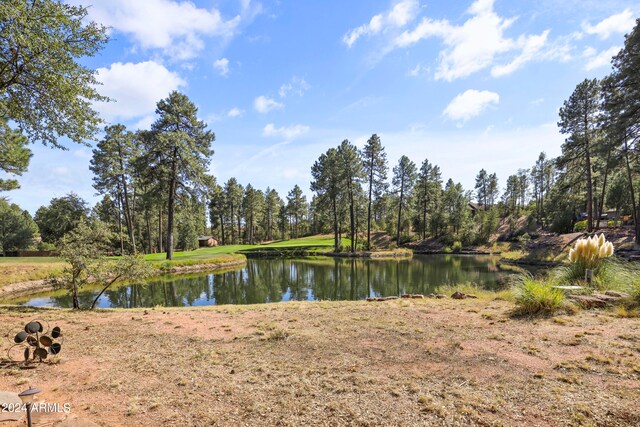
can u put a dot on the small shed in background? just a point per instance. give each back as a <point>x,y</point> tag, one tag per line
<point>207,241</point>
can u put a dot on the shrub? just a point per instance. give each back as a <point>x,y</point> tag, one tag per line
<point>393,245</point>
<point>457,246</point>
<point>536,296</point>
<point>580,226</point>
<point>447,250</point>
<point>44,246</point>
<point>635,288</point>
<point>612,274</point>
<point>524,239</point>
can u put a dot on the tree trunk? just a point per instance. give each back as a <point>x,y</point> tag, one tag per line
<point>222,240</point>
<point>127,208</point>
<point>352,219</point>
<point>120,225</point>
<point>424,215</point>
<point>251,237</point>
<point>604,189</point>
<point>400,211</point>
<point>160,248</point>
<point>636,208</point>
<point>74,292</point>
<point>589,189</point>
<point>233,234</point>
<point>335,226</point>
<point>369,204</point>
<point>171,206</point>
<point>147,214</point>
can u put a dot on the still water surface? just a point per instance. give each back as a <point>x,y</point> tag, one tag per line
<point>273,280</point>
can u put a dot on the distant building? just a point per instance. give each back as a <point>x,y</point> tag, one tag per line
<point>475,207</point>
<point>207,241</point>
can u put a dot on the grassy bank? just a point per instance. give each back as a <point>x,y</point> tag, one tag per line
<point>401,362</point>
<point>23,269</point>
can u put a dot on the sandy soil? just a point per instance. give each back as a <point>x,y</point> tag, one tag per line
<point>401,362</point>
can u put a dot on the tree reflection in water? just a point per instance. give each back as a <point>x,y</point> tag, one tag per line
<point>272,280</point>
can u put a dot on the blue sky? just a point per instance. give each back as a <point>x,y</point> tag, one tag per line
<point>466,84</point>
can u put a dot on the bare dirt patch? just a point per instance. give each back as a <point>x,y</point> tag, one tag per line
<point>402,362</point>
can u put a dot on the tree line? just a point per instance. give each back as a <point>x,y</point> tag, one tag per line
<point>158,194</point>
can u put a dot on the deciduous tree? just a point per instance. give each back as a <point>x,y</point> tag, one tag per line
<point>44,88</point>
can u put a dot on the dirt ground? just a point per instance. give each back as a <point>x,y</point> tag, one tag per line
<point>393,363</point>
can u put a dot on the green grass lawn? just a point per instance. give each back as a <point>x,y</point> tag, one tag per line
<point>198,254</point>
<point>204,254</point>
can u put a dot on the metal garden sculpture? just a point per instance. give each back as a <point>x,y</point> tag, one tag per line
<point>37,342</point>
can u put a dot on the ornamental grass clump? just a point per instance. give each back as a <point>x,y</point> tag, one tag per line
<point>537,296</point>
<point>591,254</point>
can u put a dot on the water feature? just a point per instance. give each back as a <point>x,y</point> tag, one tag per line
<point>272,280</point>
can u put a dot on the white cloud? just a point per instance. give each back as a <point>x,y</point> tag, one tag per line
<point>222,65</point>
<point>531,47</point>
<point>398,16</point>
<point>145,122</point>
<point>235,112</point>
<point>475,44</point>
<point>297,86</point>
<point>263,105</point>
<point>175,27</point>
<point>136,88</point>
<point>620,23</point>
<point>597,60</point>
<point>286,132</point>
<point>419,70</point>
<point>470,104</point>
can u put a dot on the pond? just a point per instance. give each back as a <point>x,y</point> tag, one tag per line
<point>273,280</point>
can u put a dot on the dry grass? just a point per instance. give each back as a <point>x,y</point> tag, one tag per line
<point>402,362</point>
<point>16,270</point>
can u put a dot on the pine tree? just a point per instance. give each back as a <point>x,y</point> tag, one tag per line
<point>374,161</point>
<point>112,173</point>
<point>428,186</point>
<point>14,155</point>
<point>579,118</point>
<point>482,188</point>
<point>253,207</point>
<point>622,102</point>
<point>271,207</point>
<point>296,208</point>
<point>182,148</point>
<point>326,182</point>
<point>404,175</point>
<point>352,173</point>
<point>217,209</point>
<point>233,197</point>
